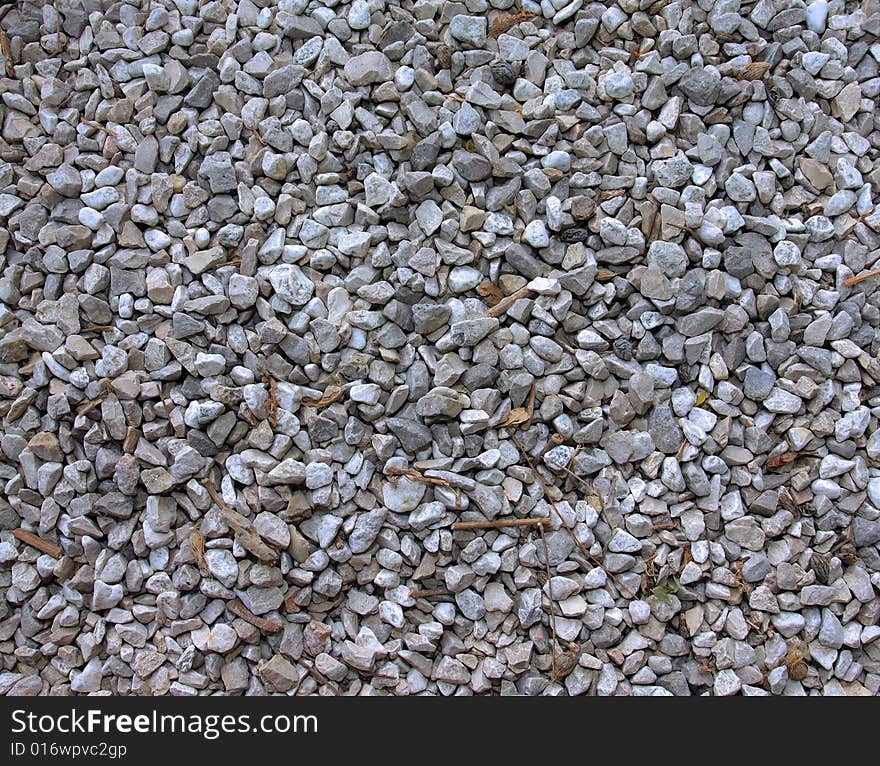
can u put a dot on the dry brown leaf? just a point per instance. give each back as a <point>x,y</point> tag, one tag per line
<point>787,502</point>
<point>785,458</point>
<point>821,566</point>
<point>848,555</point>
<point>490,293</point>
<point>565,663</point>
<point>273,400</point>
<point>754,71</point>
<point>686,559</point>
<point>516,417</point>
<point>197,546</point>
<point>443,56</point>
<point>795,661</point>
<point>506,21</point>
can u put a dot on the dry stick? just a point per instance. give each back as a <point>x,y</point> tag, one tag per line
<point>215,495</point>
<point>550,596</point>
<point>499,308</point>
<point>167,403</point>
<point>501,523</point>
<point>430,592</point>
<point>664,526</point>
<point>850,281</point>
<point>95,125</point>
<point>581,480</point>
<point>38,542</point>
<point>57,48</point>
<point>267,626</point>
<point>7,53</point>
<point>273,401</point>
<point>244,533</point>
<point>530,410</point>
<point>415,475</point>
<point>320,677</point>
<point>197,547</point>
<point>326,399</point>
<point>92,403</point>
<point>561,518</point>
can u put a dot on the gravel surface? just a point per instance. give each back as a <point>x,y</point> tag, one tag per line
<point>288,288</point>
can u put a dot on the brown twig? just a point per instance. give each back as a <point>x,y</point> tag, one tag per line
<point>273,401</point>
<point>38,542</point>
<point>521,416</point>
<point>664,526</point>
<point>215,496</point>
<point>530,410</point>
<point>248,416</point>
<point>95,125</point>
<point>415,475</point>
<point>7,53</point>
<point>505,303</point>
<point>501,523</point>
<point>430,592</point>
<point>550,596</point>
<point>92,403</point>
<point>320,677</point>
<point>57,48</point>
<point>244,534</point>
<point>330,396</point>
<point>267,626</point>
<point>850,281</point>
<point>578,543</point>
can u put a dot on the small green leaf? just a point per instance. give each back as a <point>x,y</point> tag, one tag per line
<point>665,590</point>
<point>663,594</point>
